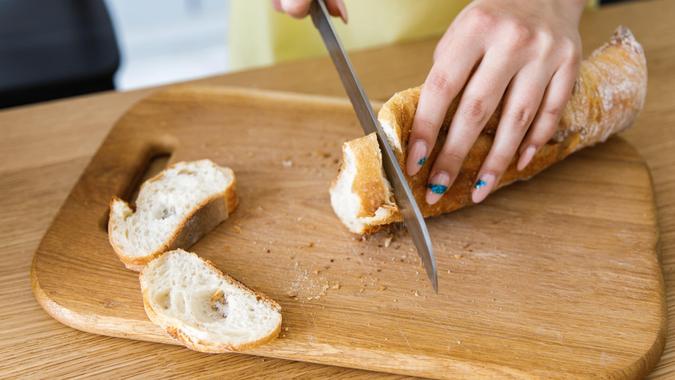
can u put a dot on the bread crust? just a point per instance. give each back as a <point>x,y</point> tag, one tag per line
<point>203,218</point>
<point>607,96</point>
<point>200,345</point>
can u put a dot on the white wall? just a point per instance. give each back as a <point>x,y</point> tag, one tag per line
<point>166,41</point>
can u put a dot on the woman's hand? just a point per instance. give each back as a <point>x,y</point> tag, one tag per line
<point>300,8</point>
<point>526,51</point>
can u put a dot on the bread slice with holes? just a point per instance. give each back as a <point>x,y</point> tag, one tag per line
<point>203,308</point>
<point>174,209</point>
<point>608,95</point>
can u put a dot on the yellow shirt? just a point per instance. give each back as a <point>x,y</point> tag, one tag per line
<point>259,35</point>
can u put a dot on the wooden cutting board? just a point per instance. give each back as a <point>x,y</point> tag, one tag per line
<point>554,277</point>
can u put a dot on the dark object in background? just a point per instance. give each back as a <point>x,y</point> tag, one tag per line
<point>51,49</point>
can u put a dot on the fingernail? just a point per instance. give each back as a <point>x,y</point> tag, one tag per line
<point>343,11</point>
<point>417,157</point>
<point>437,186</point>
<point>482,187</point>
<point>526,157</point>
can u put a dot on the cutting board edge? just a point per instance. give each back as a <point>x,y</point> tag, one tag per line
<point>104,326</point>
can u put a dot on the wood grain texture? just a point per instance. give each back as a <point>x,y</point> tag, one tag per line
<point>549,266</point>
<point>37,175</point>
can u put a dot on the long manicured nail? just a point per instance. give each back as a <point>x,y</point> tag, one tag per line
<point>437,186</point>
<point>482,187</point>
<point>343,11</point>
<point>417,157</point>
<point>526,157</point>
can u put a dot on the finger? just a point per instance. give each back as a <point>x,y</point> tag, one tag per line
<point>478,103</point>
<point>337,8</point>
<point>546,122</point>
<point>296,8</point>
<point>443,44</point>
<point>277,5</point>
<point>445,80</point>
<point>521,103</point>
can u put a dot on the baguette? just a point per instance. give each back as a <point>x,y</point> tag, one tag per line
<point>607,96</point>
<point>174,209</point>
<point>203,308</point>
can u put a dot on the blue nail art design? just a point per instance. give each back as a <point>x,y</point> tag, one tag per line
<point>437,189</point>
<point>480,183</point>
<point>422,161</point>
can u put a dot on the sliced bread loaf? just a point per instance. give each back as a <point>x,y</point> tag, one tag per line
<point>203,308</point>
<point>609,93</point>
<point>174,209</point>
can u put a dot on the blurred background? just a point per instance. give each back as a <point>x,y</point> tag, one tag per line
<point>164,41</point>
<point>58,48</point>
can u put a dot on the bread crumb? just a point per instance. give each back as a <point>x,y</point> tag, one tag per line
<point>387,241</point>
<point>416,293</point>
<point>311,244</point>
<point>383,288</point>
<point>237,228</point>
<point>287,163</point>
<point>362,290</point>
<point>286,329</point>
<point>299,219</point>
<point>336,286</point>
<point>457,256</point>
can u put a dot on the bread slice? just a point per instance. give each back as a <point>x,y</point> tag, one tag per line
<point>361,195</point>
<point>174,209</point>
<point>607,96</point>
<point>203,308</point>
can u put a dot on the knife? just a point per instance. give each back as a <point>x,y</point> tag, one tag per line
<point>412,216</point>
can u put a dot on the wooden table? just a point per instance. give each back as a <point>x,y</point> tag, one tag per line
<point>44,148</point>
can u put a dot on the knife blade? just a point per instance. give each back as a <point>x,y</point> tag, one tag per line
<point>412,216</point>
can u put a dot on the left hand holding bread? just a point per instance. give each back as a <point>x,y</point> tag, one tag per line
<point>525,51</point>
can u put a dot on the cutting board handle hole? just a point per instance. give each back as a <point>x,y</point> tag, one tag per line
<point>158,158</point>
